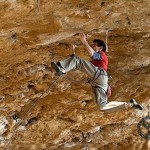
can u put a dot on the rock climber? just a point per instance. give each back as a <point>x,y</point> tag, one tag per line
<point>97,71</point>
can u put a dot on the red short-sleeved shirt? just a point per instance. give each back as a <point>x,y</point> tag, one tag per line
<point>103,62</point>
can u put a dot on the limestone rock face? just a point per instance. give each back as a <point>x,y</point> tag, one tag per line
<point>39,111</point>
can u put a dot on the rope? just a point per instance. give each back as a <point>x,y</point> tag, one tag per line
<point>20,121</point>
<point>84,141</point>
<point>123,132</point>
<point>42,94</point>
<point>75,81</point>
<point>107,40</point>
<point>38,6</point>
<point>53,54</point>
<point>148,106</point>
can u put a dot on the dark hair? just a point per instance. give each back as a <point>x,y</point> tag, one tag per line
<point>100,43</point>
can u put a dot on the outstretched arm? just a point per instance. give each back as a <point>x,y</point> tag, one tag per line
<point>85,43</point>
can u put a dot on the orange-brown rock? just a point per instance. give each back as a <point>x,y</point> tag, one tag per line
<point>62,115</point>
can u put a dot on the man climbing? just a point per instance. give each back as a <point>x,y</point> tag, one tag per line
<point>96,69</point>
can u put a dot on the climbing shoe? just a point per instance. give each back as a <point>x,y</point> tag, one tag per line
<point>135,105</point>
<point>59,71</point>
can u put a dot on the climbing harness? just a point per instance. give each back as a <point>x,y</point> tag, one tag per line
<point>99,72</point>
<point>20,121</point>
<point>143,127</point>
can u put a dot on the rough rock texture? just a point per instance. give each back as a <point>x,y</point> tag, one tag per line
<point>62,115</point>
